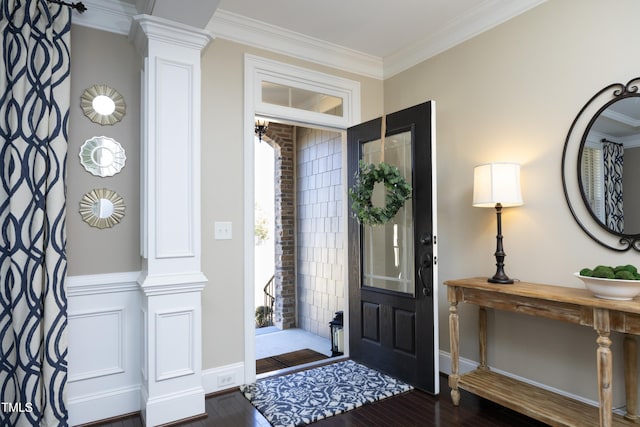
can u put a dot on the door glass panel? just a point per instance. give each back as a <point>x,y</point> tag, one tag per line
<point>387,256</point>
<point>287,96</point>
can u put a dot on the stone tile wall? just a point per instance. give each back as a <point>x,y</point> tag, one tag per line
<point>320,234</point>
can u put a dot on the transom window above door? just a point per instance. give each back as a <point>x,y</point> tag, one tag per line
<point>276,89</point>
<point>287,96</point>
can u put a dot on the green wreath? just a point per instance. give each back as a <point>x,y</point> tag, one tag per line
<point>398,190</point>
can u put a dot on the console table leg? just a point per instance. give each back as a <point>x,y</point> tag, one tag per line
<point>631,376</point>
<point>454,340</point>
<point>605,366</point>
<point>482,323</point>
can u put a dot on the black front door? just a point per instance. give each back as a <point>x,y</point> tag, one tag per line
<point>392,267</point>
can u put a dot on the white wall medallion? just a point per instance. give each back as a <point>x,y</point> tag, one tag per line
<point>103,104</point>
<point>102,156</point>
<point>102,208</point>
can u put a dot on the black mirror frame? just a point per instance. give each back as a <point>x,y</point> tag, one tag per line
<point>571,179</point>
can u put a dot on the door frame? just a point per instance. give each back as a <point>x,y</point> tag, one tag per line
<point>256,70</point>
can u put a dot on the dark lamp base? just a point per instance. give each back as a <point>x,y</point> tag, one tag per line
<point>502,281</point>
<point>500,276</point>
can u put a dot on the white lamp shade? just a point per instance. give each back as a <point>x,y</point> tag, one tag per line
<point>495,183</point>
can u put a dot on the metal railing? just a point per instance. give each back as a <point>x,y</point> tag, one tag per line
<point>264,313</point>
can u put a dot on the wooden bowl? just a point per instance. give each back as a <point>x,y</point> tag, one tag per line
<point>615,289</point>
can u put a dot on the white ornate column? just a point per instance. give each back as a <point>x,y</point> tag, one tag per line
<point>172,280</point>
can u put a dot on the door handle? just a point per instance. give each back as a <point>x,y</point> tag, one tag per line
<point>426,263</point>
<point>425,239</point>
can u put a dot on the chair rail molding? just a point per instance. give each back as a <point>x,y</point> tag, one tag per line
<point>171,280</point>
<point>95,284</point>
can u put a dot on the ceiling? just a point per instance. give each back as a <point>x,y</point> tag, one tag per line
<point>377,38</point>
<point>375,27</point>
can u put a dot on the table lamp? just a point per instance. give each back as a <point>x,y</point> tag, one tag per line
<point>497,185</point>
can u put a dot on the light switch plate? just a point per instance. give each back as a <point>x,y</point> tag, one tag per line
<point>223,230</point>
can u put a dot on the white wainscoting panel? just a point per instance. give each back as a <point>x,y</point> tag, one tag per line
<point>101,353</point>
<point>104,336</point>
<point>174,352</point>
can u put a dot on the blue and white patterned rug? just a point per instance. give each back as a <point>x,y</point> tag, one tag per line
<point>308,396</point>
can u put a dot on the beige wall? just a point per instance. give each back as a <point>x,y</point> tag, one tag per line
<point>99,57</point>
<point>511,94</point>
<point>222,190</point>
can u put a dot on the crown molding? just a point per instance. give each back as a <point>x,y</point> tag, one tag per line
<point>113,16</point>
<point>489,14</point>
<point>251,32</point>
<point>116,16</point>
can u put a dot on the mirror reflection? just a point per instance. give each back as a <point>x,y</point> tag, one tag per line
<point>610,166</point>
<point>102,208</point>
<point>104,105</point>
<point>102,157</point>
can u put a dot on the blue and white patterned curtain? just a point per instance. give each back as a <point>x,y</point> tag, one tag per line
<point>613,156</point>
<point>34,114</point>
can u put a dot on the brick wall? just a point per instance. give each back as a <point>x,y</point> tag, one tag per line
<point>282,138</point>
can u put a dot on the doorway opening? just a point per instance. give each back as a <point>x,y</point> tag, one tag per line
<point>299,244</point>
<point>291,95</point>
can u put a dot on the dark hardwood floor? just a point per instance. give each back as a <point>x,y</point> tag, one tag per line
<point>414,408</point>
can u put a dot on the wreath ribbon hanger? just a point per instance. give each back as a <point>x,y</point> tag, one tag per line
<point>398,189</point>
<point>383,131</point>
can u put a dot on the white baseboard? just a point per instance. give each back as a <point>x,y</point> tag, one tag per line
<point>466,365</point>
<point>173,407</point>
<point>99,406</point>
<point>223,377</point>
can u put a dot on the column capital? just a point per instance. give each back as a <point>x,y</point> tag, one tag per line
<point>147,28</point>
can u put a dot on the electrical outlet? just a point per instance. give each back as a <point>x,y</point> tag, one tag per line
<point>226,380</point>
<point>223,230</point>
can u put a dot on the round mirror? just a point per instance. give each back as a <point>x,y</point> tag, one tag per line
<point>102,208</point>
<point>102,156</point>
<point>601,167</point>
<point>609,166</point>
<point>102,104</point>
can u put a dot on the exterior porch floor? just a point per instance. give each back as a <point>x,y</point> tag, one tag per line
<point>271,341</point>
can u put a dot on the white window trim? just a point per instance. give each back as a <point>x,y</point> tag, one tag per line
<point>259,69</point>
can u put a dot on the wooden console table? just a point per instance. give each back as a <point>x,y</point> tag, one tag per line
<point>558,303</point>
